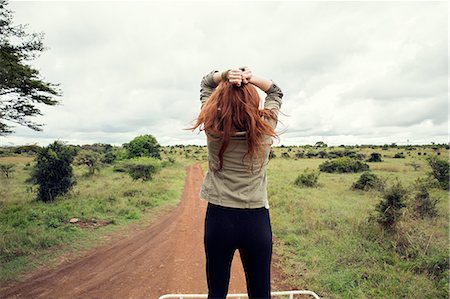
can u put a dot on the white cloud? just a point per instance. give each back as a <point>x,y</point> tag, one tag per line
<point>351,72</point>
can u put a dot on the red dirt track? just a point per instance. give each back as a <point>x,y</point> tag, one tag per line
<point>165,257</point>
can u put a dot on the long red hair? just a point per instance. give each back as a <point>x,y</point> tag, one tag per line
<point>231,109</point>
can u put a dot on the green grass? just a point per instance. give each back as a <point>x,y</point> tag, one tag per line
<point>322,235</point>
<point>327,245</point>
<point>35,233</point>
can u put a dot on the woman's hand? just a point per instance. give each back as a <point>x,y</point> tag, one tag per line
<point>234,76</point>
<point>246,75</point>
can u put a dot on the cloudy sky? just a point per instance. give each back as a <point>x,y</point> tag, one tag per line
<point>351,72</point>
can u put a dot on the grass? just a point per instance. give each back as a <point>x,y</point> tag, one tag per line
<point>322,235</point>
<point>326,244</point>
<point>36,233</point>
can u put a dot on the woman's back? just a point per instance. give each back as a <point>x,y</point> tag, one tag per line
<point>240,181</point>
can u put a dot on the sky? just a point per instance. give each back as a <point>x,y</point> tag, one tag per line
<point>351,72</point>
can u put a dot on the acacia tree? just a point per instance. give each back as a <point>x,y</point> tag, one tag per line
<point>21,86</point>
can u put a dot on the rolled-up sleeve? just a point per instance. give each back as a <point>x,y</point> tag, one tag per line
<point>273,101</point>
<point>207,86</point>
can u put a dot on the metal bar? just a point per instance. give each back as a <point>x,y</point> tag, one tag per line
<point>239,296</point>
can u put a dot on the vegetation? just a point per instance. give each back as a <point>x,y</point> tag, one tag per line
<point>143,146</point>
<point>34,231</point>
<point>142,168</point>
<point>325,237</point>
<point>89,158</point>
<point>424,205</point>
<point>375,157</point>
<point>368,181</point>
<point>390,207</point>
<point>440,170</point>
<point>21,86</point>
<point>343,164</point>
<point>309,178</point>
<point>53,171</point>
<point>7,169</point>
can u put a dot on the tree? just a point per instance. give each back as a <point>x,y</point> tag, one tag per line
<point>21,86</point>
<point>53,171</point>
<point>143,146</point>
<point>89,158</point>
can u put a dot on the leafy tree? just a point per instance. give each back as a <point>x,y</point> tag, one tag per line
<point>53,171</point>
<point>143,146</point>
<point>320,144</point>
<point>89,158</point>
<point>440,170</point>
<point>21,86</point>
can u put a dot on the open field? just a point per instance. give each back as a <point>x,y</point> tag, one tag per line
<point>323,238</point>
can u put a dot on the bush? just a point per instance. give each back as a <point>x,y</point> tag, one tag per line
<point>142,168</point>
<point>425,206</point>
<point>7,169</point>
<point>368,181</point>
<point>414,165</point>
<point>299,155</point>
<point>53,171</point>
<point>308,178</point>
<point>389,208</point>
<point>343,164</point>
<point>375,157</point>
<point>144,146</point>
<point>439,169</point>
<point>399,156</point>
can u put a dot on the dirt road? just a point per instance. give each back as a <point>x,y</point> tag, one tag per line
<point>166,257</point>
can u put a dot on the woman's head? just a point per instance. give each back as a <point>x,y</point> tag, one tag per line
<point>231,109</point>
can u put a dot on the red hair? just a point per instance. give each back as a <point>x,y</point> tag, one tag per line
<point>231,109</point>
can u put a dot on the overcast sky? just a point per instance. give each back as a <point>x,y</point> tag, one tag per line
<point>351,72</point>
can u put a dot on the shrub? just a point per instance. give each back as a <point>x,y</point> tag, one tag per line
<point>272,154</point>
<point>389,208</point>
<point>300,155</point>
<point>343,164</point>
<point>375,157</point>
<point>285,155</point>
<point>414,165</point>
<point>367,181</point>
<point>399,156</point>
<point>439,169</point>
<point>53,171</point>
<point>142,168</point>
<point>308,178</point>
<point>425,206</point>
<point>7,169</point>
<point>144,146</point>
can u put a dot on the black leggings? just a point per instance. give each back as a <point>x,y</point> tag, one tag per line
<point>249,231</point>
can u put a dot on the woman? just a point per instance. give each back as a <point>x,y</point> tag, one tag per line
<point>239,137</point>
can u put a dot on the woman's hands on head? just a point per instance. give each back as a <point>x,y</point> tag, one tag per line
<point>239,76</point>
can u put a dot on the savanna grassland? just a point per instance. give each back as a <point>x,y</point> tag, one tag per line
<point>326,236</point>
<point>35,233</point>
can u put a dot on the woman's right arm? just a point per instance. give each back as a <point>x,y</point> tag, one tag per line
<point>274,95</point>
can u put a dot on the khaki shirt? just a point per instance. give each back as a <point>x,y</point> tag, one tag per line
<point>234,186</point>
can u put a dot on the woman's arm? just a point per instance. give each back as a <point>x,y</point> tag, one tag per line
<point>274,96</point>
